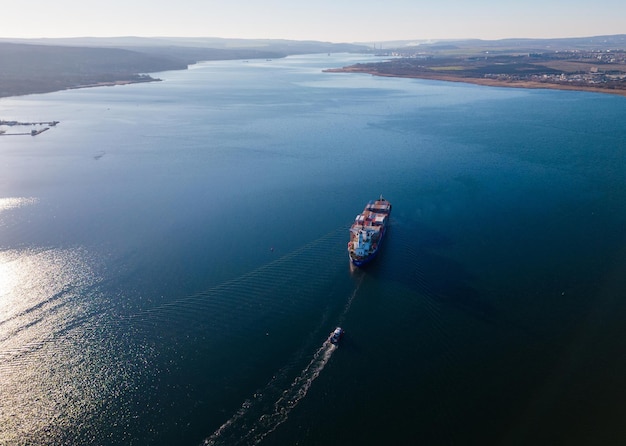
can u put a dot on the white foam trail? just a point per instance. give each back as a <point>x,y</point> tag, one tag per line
<point>352,296</point>
<point>292,396</point>
<point>237,426</point>
<point>278,413</point>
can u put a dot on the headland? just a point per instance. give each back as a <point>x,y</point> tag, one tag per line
<point>600,67</point>
<point>32,66</point>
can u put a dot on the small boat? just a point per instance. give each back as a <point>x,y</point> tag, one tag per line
<point>336,335</point>
<point>368,230</point>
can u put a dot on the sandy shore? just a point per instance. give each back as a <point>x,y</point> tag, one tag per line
<point>487,82</point>
<point>113,83</point>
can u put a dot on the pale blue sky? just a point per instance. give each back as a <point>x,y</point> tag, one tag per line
<point>326,20</point>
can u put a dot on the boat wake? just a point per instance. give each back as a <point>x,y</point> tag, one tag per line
<point>240,429</point>
<point>352,296</point>
<point>246,427</point>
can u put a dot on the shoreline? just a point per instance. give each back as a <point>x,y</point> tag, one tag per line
<point>111,83</point>
<point>532,85</point>
<point>80,86</point>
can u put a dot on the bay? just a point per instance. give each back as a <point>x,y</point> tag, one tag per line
<point>172,259</point>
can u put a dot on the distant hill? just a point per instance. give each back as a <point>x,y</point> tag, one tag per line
<point>30,69</point>
<point>595,64</point>
<point>44,65</point>
<point>286,47</point>
<point>615,42</point>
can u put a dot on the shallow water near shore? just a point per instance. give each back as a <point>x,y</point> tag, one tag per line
<point>173,258</point>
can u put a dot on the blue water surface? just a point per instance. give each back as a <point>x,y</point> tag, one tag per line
<point>173,257</point>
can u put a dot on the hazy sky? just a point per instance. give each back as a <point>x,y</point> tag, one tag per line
<point>326,20</point>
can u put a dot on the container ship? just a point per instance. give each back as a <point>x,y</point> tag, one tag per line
<point>368,230</point>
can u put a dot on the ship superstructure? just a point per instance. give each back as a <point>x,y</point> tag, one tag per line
<point>368,230</point>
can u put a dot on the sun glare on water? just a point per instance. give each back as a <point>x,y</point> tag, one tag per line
<point>46,314</point>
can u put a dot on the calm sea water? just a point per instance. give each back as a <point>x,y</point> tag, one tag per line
<point>172,259</point>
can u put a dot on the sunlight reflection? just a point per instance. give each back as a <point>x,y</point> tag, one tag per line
<point>44,320</point>
<point>15,202</point>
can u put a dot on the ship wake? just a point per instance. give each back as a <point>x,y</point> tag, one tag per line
<point>270,407</point>
<point>243,429</point>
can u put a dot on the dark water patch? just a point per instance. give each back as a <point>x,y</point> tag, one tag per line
<point>417,262</point>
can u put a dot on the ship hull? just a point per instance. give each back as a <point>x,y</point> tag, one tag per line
<point>362,261</point>
<point>368,231</point>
